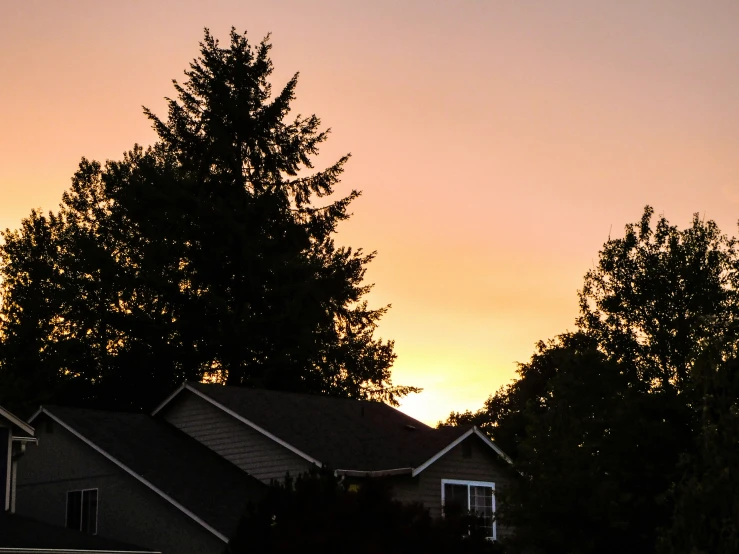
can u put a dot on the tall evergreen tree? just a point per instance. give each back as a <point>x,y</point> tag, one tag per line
<point>210,254</point>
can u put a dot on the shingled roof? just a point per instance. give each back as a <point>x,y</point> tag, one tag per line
<point>345,434</point>
<point>198,481</point>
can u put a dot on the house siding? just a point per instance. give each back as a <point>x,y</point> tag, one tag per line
<point>127,509</point>
<point>482,464</point>
<point>242,445</point>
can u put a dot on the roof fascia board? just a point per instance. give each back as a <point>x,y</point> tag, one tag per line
<point>14,550</point>
<point>441,452</point>
<point>136,476</point>
<point>15,420</point>
<point>487,440</point>
<point>376,473</point>
<point>25,439</point>
<point>474,430</point>
<point>254,426</point>
<point>171,397</point>
<point>36,414</point>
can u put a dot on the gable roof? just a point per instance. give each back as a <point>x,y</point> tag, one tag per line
<point>351,436</point>
<point>200,483</point>
<point>16,423</point>
<point>470,431</point>
<point>23,534</point>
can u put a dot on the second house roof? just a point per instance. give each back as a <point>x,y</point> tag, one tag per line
<point>345,434</point>
<point>199,482</point>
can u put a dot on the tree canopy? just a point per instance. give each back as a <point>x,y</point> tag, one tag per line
<point>625,429</point>
<point>209,254</point>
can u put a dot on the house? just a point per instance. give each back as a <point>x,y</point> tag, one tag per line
<point>178,480</point>
<point>132,478</point>
<point>270,433</point>
<point>20,534</point>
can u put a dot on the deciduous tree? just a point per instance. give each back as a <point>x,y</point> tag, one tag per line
<point>625,429</point>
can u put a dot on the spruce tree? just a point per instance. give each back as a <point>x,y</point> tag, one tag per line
<point>210,254</point>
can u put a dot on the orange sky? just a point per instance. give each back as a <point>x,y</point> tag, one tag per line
<point>496,142</point>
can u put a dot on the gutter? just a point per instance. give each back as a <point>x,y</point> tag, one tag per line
<point>24,440</point>
<point>13,550</point>
<point>377,473</point>
<point>15,456</point>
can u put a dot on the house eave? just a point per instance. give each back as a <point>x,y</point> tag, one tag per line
<point>374,473</point>
<point>169,399</point>
<point>472,431</point>
<point>24,439</point>
<point>18,550</point>
<point>16,421</point>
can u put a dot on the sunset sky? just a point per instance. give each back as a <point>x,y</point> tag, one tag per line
<point>497,143</point>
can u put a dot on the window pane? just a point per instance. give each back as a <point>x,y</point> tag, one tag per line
<point>74,508</point>
<point>89,511</point>
<point>455,493</point>
<point>455,499</point>
<point>481,504</point>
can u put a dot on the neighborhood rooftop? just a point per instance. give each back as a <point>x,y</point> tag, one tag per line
<point>178,480</point>
<point>176,465</point>
<point>344,434</point>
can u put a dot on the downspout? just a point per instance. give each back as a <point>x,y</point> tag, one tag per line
<point>13,493</point>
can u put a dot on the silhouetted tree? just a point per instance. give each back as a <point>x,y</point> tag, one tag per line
<point>205,255</point>
<point>505,415</point>
<point>608,424</point>
<point>599,455</point>
<point>706,518</point>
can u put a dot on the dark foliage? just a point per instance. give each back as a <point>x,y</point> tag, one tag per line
<point>625,431</point>
<point>208,255</point>
<point>319,513</point>
<point>706,519</point>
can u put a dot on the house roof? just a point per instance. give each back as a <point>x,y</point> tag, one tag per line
<point>353,436</point>
<point>18,534</point>
<point>202,484</point>
<point>20,427</point>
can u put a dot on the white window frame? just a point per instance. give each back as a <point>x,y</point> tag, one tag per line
<point>82,503</point>
<point>469,484</point>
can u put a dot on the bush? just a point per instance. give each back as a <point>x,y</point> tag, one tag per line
<point>320,512</point>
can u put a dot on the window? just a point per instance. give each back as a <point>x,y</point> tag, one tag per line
<point>82,511</point>
<point>475,497</point>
